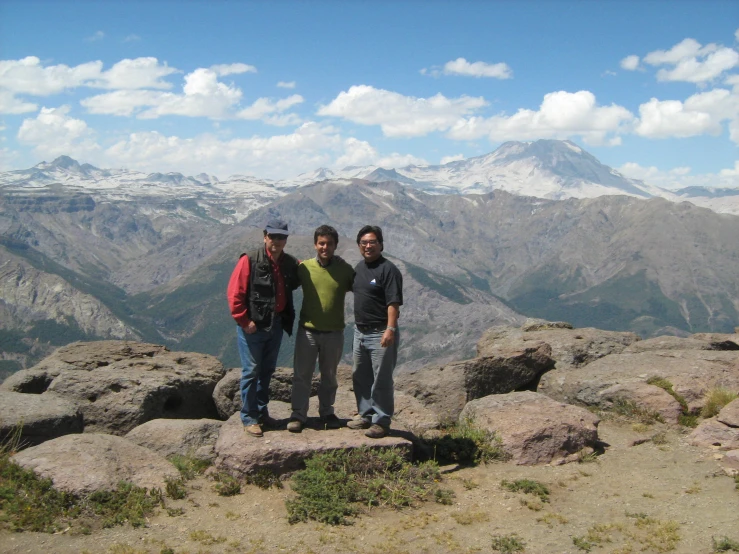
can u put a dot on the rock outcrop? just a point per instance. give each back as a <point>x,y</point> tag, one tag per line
<point>119,385</point>
<point>446,389</point>
<point>39,418</point>
<point>185,437</point>
<point>720,432</point>
<point>240,454</point>
<point>534,428</point>
<point>82,464</point>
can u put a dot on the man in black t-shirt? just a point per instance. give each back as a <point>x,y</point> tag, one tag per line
<point>378,295</point>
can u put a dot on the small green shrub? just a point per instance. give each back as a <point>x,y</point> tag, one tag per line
<point>725,544</point>
<point>226,485</point>
<point>466,443</point>
<point>633,411</point>
<point>507,544</point>
<point>334,484</point>
<point>264,479</point>
<point>175,488</point>
<point>527,486</point>
<point>582,544</point>
<point>128,503</point>
<point>716,399</point>
<point>188,466</point>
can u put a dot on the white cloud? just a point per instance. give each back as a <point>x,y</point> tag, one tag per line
<point>29,76</point>
<point>702,113</point>
<point>286,84</point>
<point>203,96</point>
<point>359,152</point>
<point>132,38</point>
<point>54,133</point>
<point>398,115</point>
<point>97,35</point>
<point>630,63</point>
<point>561,115</point>
<point>449,159</point>
<point>400,160</point>
<point>263,107</point>
<point>692,62</point>
<point>460,66</point>
<point>681,177</point>
<point>9,104</point>
<point>233,69</point>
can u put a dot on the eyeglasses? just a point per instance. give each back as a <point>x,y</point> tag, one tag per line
<point>277,237</point>
<point>368,243</point>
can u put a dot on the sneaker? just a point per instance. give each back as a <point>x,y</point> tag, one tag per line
<point>268,421</point>
<point>295,426</point>
<point>360,423</point>
<point>254,430</point>
<point>376,431</point>
<point>331,422</point>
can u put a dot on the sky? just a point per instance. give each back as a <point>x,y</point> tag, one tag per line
<point>275,89</point>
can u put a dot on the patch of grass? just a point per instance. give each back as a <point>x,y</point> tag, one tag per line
<point>695,488</point>
<point>175,488</point>
<point>581,543</point>
<point>204,537</point>
<point>175,512</point>
<point>467,444</point>
<point>470,484</point>
<point>334,484</point>
<point>226,485</point>
<point>716,399</point>
<point>586,456</point>
<point>551,517</point>
<point>469,517</point>
<point>686,419</point>
<point>188,466</point>
<point>639,533</point>
<point>535,505</point>
<point>264,479</point>
<point>527,486</point>
<point>128,503</point>
<point>659,438</point>
<point>632,411</point>
<point>507,544</point>
<point>725,544</point>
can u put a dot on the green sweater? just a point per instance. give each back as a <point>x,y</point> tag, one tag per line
<point>324,289</point>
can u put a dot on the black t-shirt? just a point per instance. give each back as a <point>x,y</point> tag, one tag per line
<point>376,285</point>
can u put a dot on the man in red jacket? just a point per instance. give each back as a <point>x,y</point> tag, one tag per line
<point>260,295</point>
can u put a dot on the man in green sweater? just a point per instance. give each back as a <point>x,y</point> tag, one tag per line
<point>325,280</point>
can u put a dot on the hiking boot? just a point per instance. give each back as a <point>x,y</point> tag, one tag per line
<point>331,422</point>
<point>254,430</point>
<point>295,426</point>
<point>376,431</point>
<point>360,423</point>
<point>268,421</point>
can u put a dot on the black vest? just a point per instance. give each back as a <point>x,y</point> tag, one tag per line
<point>261,293</point>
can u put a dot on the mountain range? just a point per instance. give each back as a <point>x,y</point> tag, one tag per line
<point>533,229</point>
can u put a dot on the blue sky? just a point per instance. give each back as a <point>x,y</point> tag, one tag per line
<point>274,89</point>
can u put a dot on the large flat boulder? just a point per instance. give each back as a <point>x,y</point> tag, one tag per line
<point>534,428</point>
<point>279,451</point>
<point>692,373</point>
<point>119,393</point>
<point>446,389</point>
<point>729,414</point>
<point>713,433</point>
<point>570,347</point>
<point>185,437</point>
<point>649,397</point>
<point>82,464</point>
<point>39,418</point>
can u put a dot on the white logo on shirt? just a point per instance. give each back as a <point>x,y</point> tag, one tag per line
<point>373,282</point>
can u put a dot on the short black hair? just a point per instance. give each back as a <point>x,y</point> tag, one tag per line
<point>371,229</point>
<point>325,231</point>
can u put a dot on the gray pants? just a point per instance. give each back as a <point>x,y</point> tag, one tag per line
<point>372,375</point>
<point>326,346</point>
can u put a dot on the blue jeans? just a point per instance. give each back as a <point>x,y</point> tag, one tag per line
<point>372,375</point>
<point>258,353</point>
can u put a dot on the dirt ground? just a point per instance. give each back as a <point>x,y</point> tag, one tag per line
<point>634,498</point>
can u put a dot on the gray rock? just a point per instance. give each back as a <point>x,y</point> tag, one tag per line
<point>729,414</point>
<point>701,341</point>
<point>712,432</point>
<point>730,462</point>
<point>185,437</point>
<point>571,348</point>
<point>136,383</point>
<point>648,397</point>
<point>446,389</point>
<point>82,464</point>
<point>240,454</point>
<point>691,372</point>
<point>40,417</point>
<point>534,428</point>
<point>533,324</point>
